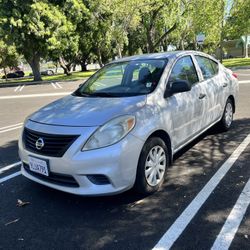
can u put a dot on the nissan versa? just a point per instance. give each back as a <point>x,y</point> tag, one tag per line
<point>121,128</point>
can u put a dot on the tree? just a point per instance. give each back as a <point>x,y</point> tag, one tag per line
<point>159,19</point>
<point>8,56</point>
<point>37,27</point>
<point>239,21</point>
<point>66,44</point>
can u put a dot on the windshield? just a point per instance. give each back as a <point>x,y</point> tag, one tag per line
<point>124,79</point>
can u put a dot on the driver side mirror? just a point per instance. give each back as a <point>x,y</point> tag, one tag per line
<point>178,87</point>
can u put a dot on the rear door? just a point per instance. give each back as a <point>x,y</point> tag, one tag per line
<point>213,87</point>
<point>186,108</point>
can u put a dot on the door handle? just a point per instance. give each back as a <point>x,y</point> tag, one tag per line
<point>224,85</point>
<point>201,96</point>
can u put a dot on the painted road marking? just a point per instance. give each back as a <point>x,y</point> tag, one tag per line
<point>59,86</point>
<point>246,81</point>
<point>8,177</point>
<point>228,231</point>
<point>34,95</point>
<point>17,88</point>
<point>243,74</point>
<point>21,88</point>
<point>187,215</point>
<point>4,169</point>
<point>55,87</point>
<point>10,128</point>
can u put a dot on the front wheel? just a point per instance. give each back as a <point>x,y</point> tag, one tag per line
<point>227,118</point>
<point>152,166</point>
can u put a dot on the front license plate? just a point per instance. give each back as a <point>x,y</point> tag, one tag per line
<point>38,166</point>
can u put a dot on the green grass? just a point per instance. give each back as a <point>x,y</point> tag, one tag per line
<point>236,62</point>
<point>58,77</point>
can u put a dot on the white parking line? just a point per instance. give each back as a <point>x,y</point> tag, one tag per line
<point>8,177</point>
<point>55,87</point>
<point>228,231</point>
<point>187,215</point>
<point>21,88</point>
<point>10,129</point>
<point>59,86</point>
<point>33,95</point>
<point>17,88</point>
<point>246,81</point>
<point>4,169</point>
<point>10,126</point>
<point>243,74</point>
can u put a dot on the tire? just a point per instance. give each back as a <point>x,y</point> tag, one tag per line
<point>151,171</point>
<point>227,117</point>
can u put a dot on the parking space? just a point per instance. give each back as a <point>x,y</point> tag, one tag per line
<point>51,87</point>
<point>191,211</point>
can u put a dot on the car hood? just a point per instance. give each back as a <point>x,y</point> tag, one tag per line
<point>86,111</point>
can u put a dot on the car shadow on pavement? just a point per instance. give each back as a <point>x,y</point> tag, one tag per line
<point>9,153</point>
<point>211,148</point>
<point>71,221</point>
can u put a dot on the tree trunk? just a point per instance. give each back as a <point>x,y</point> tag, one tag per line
<point>83,66</point>
<point>99,56</point>
<point>150,41</point>
<point>119,51</point>
<point>65,67</point>
<point>195,43</point>
<point>34,63</point>
<point>246,48</point>
<point>5,74</point>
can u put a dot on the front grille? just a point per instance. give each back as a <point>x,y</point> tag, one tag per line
<point>54,145</point>
<point>54,178</point>
<point>98,179</point>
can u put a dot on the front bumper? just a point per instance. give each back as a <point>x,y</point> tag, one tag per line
<point>117,163</point>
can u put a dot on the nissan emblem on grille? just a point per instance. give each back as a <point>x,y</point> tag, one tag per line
<point>40,143</point>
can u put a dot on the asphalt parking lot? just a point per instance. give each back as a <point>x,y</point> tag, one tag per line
<point>204,203</point>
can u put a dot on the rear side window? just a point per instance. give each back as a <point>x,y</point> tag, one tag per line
<point>184,70</point>
<point>209,68</point>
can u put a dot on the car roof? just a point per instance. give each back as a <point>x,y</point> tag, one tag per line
<point>163,55</point>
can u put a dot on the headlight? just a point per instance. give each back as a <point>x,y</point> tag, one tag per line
<point>110,133</point>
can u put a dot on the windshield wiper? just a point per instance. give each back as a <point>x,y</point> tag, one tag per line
<point>103,94</point>
<point>78,93</point>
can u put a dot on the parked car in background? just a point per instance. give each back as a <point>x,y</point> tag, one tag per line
<point>20,73</point>
<point>48,72</point>
<point>121,128</point>
<point>16,74</point>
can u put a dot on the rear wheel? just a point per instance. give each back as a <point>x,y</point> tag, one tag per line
<point>152,166</point>
<point>227,118</point>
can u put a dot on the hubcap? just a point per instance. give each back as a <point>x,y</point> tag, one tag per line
<point>229,114</point>
<point>155,165</point>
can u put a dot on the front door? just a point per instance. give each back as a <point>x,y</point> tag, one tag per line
<point>186,108</point>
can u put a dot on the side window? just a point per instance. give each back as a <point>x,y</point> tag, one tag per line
<point>184,70</point>
<point>208,67</point>
<point>215,66</point>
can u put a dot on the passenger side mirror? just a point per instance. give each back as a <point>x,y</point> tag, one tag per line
<point>80,85</point>
<point>178,87</point>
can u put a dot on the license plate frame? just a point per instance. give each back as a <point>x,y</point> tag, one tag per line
<point>38,165</point>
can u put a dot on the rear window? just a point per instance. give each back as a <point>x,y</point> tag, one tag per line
<point>209,68</point>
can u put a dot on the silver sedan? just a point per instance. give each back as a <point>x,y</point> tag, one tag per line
<point>121,128</point>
